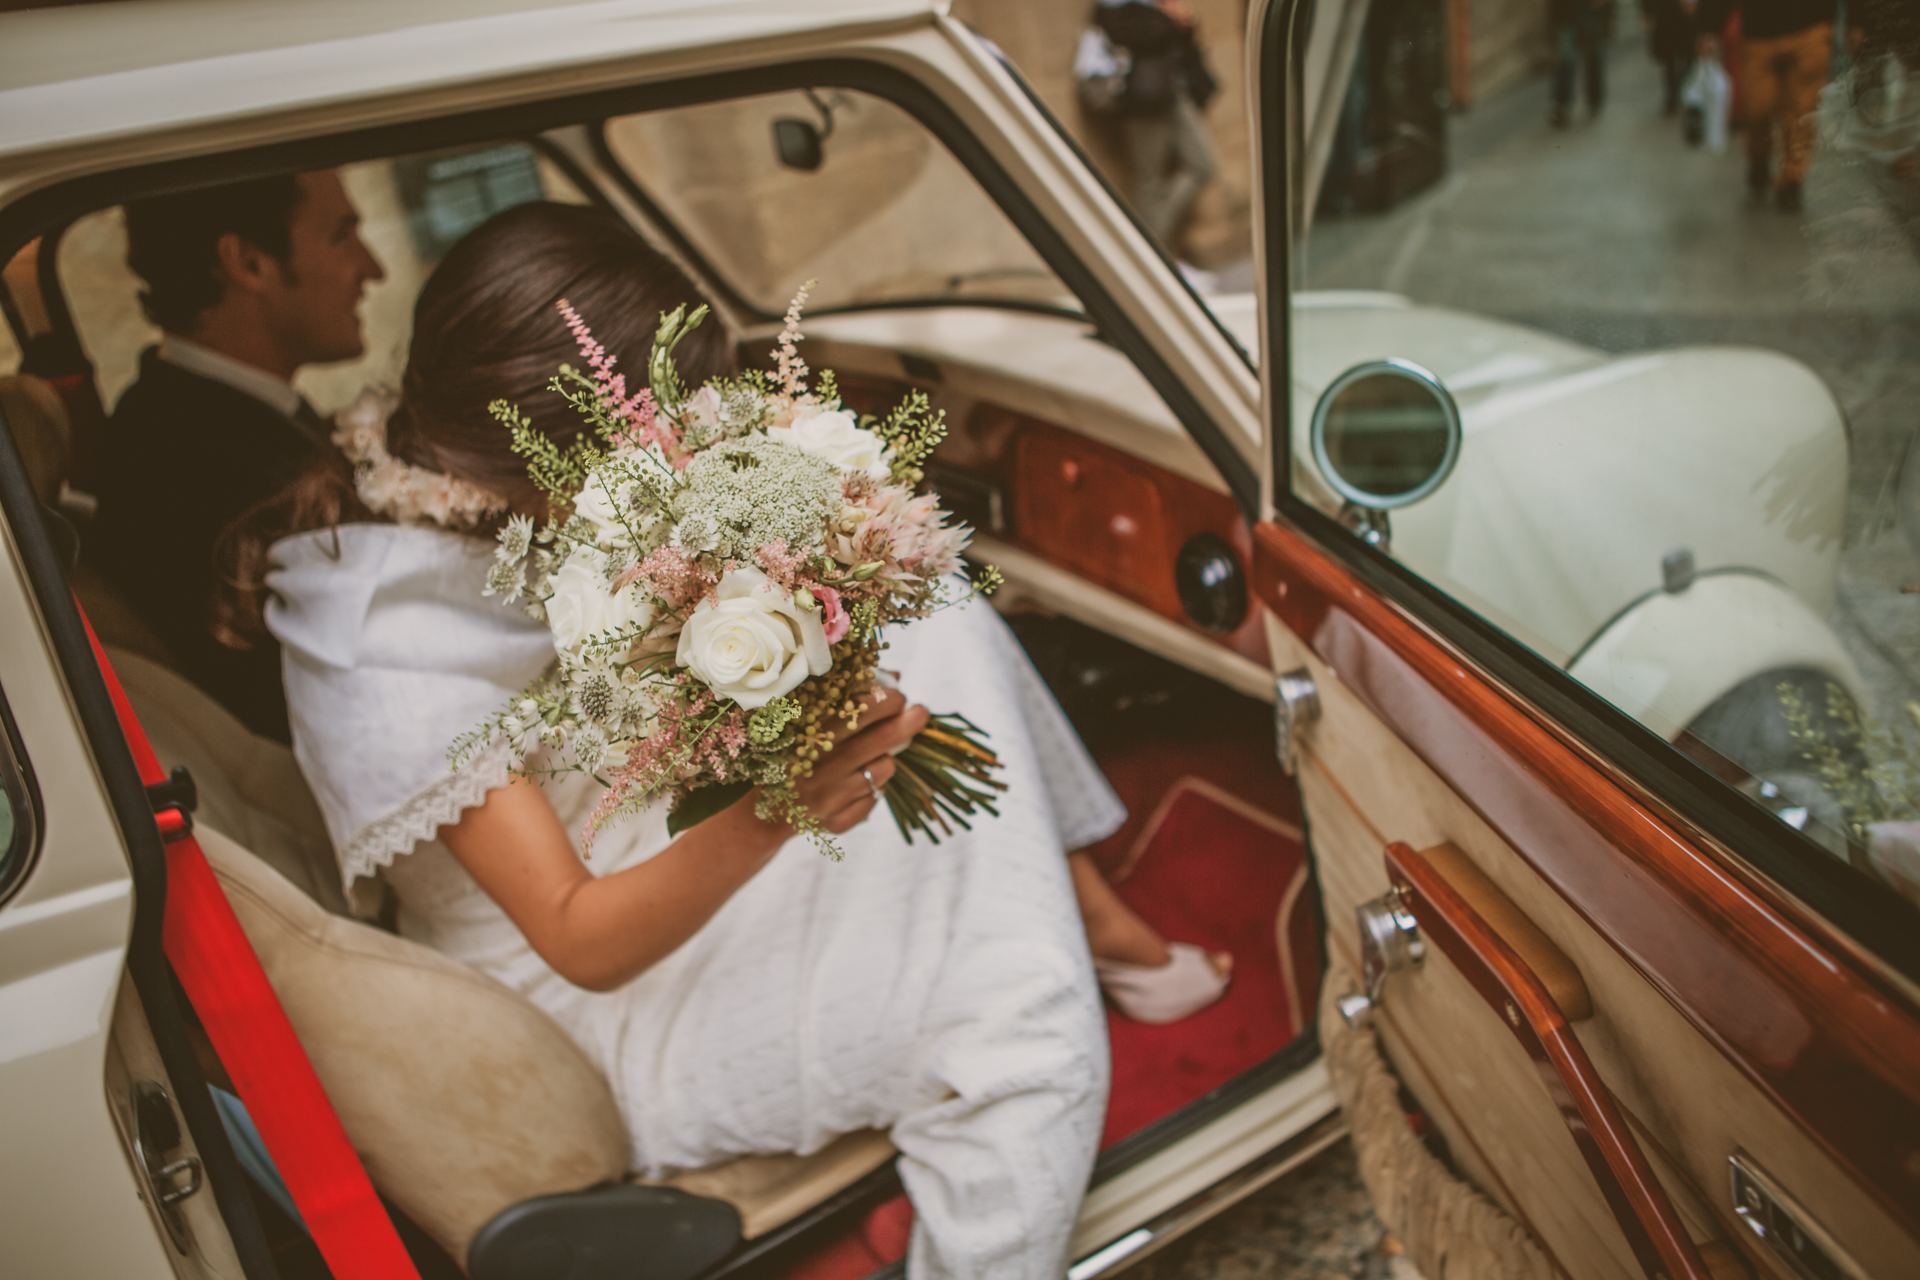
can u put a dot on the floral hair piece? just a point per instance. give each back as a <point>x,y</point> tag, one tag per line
<point>402,492</point>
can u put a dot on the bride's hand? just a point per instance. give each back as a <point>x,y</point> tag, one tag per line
<point>837,791</point>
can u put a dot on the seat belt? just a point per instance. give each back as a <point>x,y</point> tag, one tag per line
<point>271,1072</point>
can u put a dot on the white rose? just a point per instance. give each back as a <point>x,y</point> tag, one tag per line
<point>753,643</point>
<point>702,408</point>
<point>581,605</point>
<point>832,434</point>
<point>602,509</point>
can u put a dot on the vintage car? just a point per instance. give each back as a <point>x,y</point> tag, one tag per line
<point>1424,698</point>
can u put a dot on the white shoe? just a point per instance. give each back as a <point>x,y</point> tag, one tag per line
<point>1158,994</point>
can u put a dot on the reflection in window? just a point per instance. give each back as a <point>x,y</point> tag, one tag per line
<point>1687,473</point>
<point>831,185</point>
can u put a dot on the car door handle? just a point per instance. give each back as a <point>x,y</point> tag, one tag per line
<point>1517,992</point>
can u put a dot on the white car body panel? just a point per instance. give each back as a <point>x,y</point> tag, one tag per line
<point>1576,458</point>
<point>1671,655</point>
<point>70,1204</point>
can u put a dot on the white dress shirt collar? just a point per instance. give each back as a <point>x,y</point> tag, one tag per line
<point>208,363</point>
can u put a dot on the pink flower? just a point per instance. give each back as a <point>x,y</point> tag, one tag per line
<point>836,621</point>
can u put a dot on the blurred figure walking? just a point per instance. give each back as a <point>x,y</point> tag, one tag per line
<point>1579,35</point>
<point>1669,25</point>
<point>1166,89</point>
<point>1786,54</point>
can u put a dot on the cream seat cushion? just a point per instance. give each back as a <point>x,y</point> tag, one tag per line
<point>250,788</point>
<point>461,1097</point>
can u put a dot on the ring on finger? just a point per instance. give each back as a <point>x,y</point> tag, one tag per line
<point>872,786</point>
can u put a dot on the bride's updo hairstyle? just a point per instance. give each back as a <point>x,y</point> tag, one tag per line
<point>485,328</point>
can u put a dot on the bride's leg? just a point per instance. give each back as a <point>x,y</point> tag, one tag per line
<point>1115,930</point>
<point>997,1166</point>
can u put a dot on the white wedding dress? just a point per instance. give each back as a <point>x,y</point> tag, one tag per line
<point>943,992</point>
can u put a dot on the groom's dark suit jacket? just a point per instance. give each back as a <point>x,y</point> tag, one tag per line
<point>182,456</point>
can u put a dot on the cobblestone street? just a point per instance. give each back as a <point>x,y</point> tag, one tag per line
<point>1313,1224</point>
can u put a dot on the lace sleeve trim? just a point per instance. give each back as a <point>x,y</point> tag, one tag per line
<point>378,843</point>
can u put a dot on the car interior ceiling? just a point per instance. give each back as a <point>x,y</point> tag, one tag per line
<point>1212,850</point>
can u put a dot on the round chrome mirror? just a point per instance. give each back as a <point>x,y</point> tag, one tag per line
<point>1386,434</point>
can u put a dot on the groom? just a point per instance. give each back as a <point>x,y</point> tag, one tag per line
<point>248,283</point>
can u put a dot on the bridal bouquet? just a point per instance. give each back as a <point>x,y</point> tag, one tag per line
<point>716,573</point>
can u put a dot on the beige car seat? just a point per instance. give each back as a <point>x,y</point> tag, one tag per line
<point>463,1099</point>
<point>472,1110</point>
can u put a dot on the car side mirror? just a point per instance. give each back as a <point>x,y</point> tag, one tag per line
<point>1385,434</point>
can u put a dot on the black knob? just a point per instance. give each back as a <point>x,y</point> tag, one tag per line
<point>1212,585</point>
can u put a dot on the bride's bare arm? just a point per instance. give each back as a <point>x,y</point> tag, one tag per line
<point>602,932</point>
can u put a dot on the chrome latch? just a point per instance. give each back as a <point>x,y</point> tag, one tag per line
<point>1296,704</point>
<point>1390,942</point>
<point>1786,1228</point>
<point>156,1131</point>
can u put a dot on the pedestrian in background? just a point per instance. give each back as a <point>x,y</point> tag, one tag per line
<point>1159,109</point>
<point>1579,36</point>
<point>1669,25</point>
<point>1786,54</point>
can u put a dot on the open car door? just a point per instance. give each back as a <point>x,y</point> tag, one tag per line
<point>1651,1015</point>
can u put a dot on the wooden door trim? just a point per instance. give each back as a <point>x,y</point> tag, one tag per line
<point>1830,1046</point>
<point>1512,988</point>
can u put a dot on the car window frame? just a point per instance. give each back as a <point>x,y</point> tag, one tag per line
<point>22,790</point>
<point>1751,840</point>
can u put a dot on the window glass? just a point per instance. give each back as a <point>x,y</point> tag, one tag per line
<point>1684,363</point>
<point>831,185</point>
<point>412,209</point>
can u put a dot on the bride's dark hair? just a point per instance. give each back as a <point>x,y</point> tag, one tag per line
<point>485,328</point>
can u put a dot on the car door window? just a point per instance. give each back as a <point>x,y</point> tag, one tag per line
<point>412,209</point>
<point>1640,399</point>
<point>833,185</point>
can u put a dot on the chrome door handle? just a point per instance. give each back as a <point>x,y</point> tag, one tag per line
<point>156,1131</point>
<point>1389,943</point>
<point>1296,704</point>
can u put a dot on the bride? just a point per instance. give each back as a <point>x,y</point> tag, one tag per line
<point>741,993</point>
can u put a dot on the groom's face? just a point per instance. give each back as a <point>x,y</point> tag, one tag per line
<point>315,309</point>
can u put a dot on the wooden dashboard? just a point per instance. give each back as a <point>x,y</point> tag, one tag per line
<point>1155,538</point>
